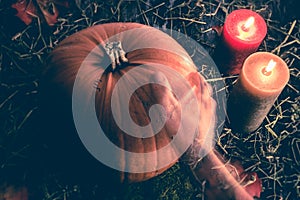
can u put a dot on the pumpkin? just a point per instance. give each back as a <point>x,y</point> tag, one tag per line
<point>91,62</point>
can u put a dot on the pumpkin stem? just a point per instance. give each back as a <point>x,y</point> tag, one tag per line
<point>116,53</point>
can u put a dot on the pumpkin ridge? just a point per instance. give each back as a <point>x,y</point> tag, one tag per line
<point>138,143</point>
<point>86,49</point>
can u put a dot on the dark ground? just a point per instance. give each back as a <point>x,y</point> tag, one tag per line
<point>273,151</point>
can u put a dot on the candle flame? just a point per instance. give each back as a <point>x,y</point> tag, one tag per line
<point>246,29</point>
<point>249,22</point>
<point>271,65</point>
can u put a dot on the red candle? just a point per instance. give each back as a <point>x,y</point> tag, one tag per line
<point>243,32</point>
<point>262,78</point>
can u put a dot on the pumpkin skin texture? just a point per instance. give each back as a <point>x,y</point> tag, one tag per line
<point>63,66</point>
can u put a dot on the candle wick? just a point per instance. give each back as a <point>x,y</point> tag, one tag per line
<point>244,28</point>
<point>269,68</point>
<point>266,72</point>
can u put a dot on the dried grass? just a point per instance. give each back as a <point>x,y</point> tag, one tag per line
<point>273,150</point>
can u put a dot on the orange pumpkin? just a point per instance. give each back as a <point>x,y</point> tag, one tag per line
<point>92,62</point>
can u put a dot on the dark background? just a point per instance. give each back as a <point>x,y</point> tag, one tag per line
<point>27,158</point>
